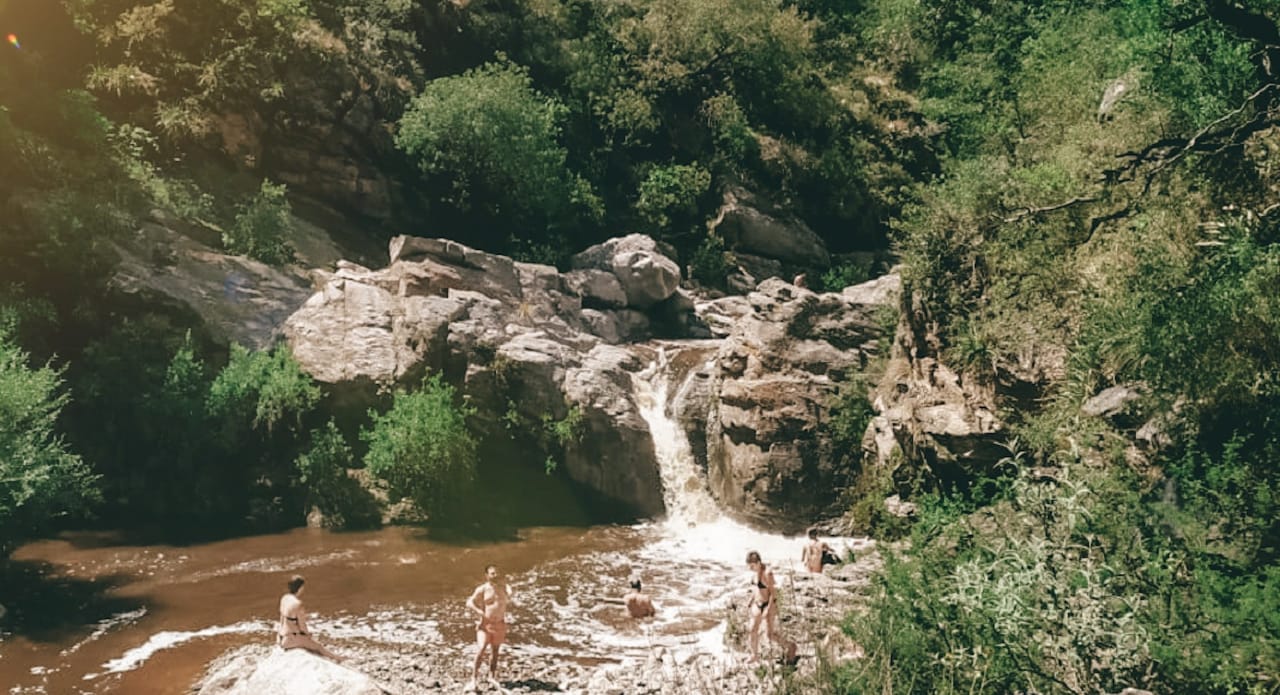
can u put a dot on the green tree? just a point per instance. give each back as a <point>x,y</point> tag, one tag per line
<point>263,226</point>
<point>488,144</point>
<point>422,447</point>
<point>40,479</point>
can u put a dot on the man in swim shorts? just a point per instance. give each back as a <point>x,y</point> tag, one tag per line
<point>489,603</point>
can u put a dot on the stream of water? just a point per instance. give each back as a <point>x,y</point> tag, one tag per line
<point>109,616</point>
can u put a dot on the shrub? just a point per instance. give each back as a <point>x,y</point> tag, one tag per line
<point>270,384</point>
<point>488,144</point>
<point>262,227</point>
<point>710,263</point>
<point>322,474</point>
<point>422,448</point>
<point>846,274</point>
<point>669,199</point>
<point>40,479</point>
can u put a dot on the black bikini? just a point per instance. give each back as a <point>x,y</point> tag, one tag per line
<point>295,622</point>
<point>763,604</point>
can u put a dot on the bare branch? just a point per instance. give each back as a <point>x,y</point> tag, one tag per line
<point>1028,212</point>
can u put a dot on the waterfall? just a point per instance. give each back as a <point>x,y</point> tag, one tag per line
<point>695,527</point>
<point>684,490</point>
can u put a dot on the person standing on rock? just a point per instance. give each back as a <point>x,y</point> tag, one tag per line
<point>764,609</point>
<point>489,603</point>
<point>292,631</point>
<point>816,553</point>
<point>638,603</point>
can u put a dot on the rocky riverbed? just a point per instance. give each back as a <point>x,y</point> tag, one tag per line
<point>812,608</point>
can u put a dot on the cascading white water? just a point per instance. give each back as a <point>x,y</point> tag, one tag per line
<point>684,492</point>
<point>695,527</point>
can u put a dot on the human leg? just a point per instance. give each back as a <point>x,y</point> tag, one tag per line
<point>776,636</point>
<point>754,635</point>
<point>482,641</point>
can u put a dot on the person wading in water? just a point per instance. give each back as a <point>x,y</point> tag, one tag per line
<point>764,609</point>
<point>638,603</point>
<point>292,632</point>
<point>489,602</point>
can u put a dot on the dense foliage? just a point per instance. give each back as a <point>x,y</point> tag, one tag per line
<point>1103,214</point>
<point>39,478</point>
<point>423,449</point>
<point>1080,191</point>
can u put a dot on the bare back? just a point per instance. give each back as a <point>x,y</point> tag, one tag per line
<point>813,553</point>
<point>639,605</point>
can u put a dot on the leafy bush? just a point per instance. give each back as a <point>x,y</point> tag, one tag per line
<point>669,200</point>
<point>270,384</point>
<point>40,479</point>
<point>711,263</point>
<point>322,474</point>
<point>846,274</point>
<point>488,143</point>
<point>1012,597</point>
<point>423,449</point>
<point>263,226</point>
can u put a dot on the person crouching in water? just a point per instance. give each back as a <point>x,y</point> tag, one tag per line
<point>764,609</point>
<point>292,631</point>
<point>638,603</point>
<point>489,602</point>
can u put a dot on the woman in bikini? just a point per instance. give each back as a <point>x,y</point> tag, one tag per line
<point>764,609</point>
<point>292,632</point>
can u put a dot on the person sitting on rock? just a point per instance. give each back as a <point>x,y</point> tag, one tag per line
<point>764,609</point>
<point>638,603</point>
<point>816,553</point>
<point>292,631</point>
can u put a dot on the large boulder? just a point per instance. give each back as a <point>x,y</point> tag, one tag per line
<point>516,339</point>
<point>770,458</point>
<point>285,672</point>
<point>753,228</point>
<point>646,273</point>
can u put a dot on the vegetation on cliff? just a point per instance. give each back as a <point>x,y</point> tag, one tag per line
<point>1104,214</point>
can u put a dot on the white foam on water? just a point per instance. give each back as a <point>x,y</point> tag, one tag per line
<point>172,638</point>
<point>390,626</point>
<point>106,625</point>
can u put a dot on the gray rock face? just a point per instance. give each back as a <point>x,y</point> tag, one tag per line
<point>1111,401</point>
<point>291,672</point>
<point>166,263</point>
<point>769,457</point>
<point>748,225</point>
<point>647,275</point>
<point>513,336</point>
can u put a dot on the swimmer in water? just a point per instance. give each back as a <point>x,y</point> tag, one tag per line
<point>638,603</point>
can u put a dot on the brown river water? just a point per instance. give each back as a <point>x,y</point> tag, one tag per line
<point>96,613</point>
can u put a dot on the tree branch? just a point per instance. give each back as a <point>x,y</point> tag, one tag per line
<point>1029,211</point>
